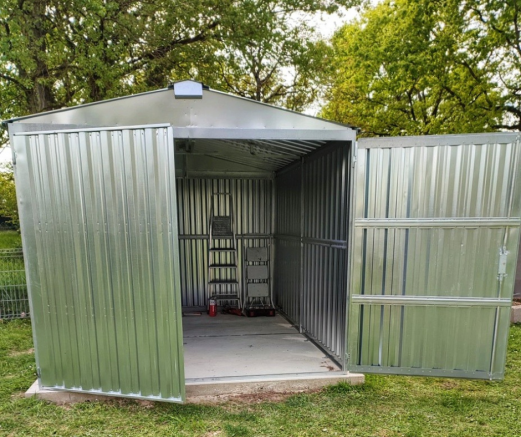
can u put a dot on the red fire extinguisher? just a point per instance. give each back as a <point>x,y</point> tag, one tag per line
<point>212,312</point>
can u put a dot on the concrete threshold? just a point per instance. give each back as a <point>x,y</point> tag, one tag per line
<point>285,383</point>
<point>216,389</point>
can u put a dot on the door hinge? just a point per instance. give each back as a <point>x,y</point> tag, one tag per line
<point>38,373</point>
<point>348,357</point>
<point>502,267</point>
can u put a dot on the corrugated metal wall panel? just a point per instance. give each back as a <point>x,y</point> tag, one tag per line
<point>325,195</point>
<point>430,222</point>
<point>326,183</point>
<point>253,200</point>
<point>325,295</point>
<point>311,285</point>
<point>99,229</point>
<point>288,202</point>
<point>287,277</point>
<point>288,220</point>
<point>437,181</point>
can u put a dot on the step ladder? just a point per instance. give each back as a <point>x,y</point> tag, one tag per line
<point>223,283</point>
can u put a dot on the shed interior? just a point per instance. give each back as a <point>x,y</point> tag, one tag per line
<point>288,196</point>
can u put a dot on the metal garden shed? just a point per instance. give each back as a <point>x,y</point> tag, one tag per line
<point>387,255</point>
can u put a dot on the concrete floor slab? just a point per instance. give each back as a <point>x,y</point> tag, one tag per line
<point>230,346</point>
<point>228,356</point>
<point>227,324</point>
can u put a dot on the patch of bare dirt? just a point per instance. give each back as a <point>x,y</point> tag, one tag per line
<point>146,404</point>
<point>246,399</point>
<point>18,353</point>
<point>449,385</point>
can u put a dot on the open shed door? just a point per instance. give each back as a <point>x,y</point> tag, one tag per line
<point>99,227</point>
<point>435,241</point>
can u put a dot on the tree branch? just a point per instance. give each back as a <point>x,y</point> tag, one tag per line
<point>15,81</point>
<point>202,36</point>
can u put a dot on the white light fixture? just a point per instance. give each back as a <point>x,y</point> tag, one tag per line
<point>188,89</point>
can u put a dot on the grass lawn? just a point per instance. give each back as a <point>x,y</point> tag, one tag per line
<point>10,240</point>
<point>384,406</point>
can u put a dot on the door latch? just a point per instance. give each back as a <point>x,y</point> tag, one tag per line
<point>502,267</point>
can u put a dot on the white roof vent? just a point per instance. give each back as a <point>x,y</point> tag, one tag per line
<point>188,89</point>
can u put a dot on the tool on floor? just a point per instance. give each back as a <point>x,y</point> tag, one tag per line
<point>258,300</point>
<point>233,311</point>
<point>223,284</point>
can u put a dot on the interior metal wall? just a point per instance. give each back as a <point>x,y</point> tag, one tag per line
<point>325,186</point>
<point>311,245</point>
<point>253,206</point>
<point>288,220</point>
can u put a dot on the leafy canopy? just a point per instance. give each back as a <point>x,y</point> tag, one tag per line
<point>495,26</point>
<point>8,206</point>
<point>56,53</point>
<point>406,68</point>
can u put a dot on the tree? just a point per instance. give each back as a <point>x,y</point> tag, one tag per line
<point>496,41</point>
<point>55,53</point>
<point>282,64</point>
<point>8,205</point>
<point>401,70</point>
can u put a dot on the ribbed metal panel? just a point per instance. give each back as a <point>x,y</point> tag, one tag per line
<point>311,245</point>
<point>99,229</point>
<point>268,155</point>
<point>287,277</point>
<point>288,219</point>
<point>325,195</point>
<point>428,296</point>
<point>253,205</point>
<point>288,202</point>
<point>325,185</point>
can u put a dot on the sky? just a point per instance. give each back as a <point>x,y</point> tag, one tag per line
<point>326,26</point>
<point>5,155</point>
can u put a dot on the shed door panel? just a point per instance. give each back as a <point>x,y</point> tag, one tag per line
<point>99,229</point>
<point>436,231</point>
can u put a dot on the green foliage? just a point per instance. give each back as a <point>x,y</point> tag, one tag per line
<point>496,42</point>
<point>279,62</point>
<point>56,53</point>
<point>388,406</point>
<point>407,68</point>
<point>8,205</point>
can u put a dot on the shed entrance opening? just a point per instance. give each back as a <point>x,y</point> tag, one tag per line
<point>288,201</point>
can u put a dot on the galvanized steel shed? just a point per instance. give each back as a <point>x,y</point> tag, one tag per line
<point>392,255</point>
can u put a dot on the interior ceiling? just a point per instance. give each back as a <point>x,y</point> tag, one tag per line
<point>265,155</point>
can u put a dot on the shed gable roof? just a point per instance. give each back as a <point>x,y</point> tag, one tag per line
<point>214,110</point>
